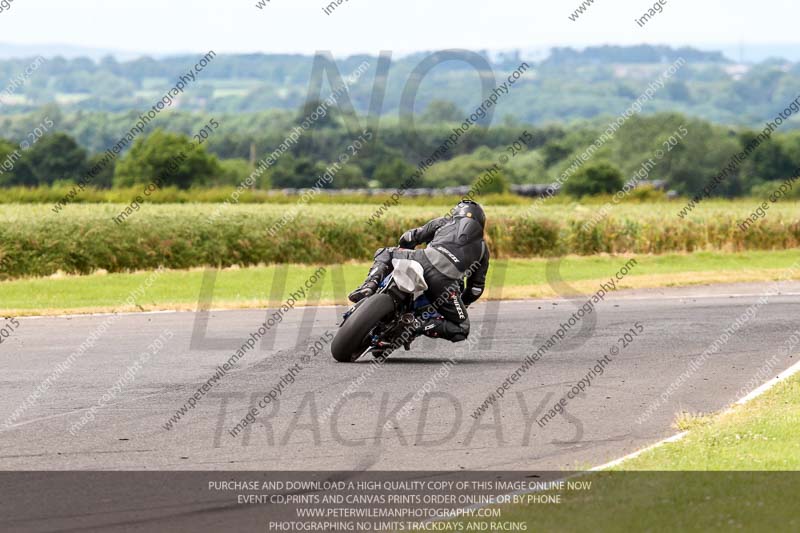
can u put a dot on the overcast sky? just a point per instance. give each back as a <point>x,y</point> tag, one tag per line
<point>175,26</point>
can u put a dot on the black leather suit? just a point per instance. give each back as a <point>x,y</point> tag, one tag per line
<point>456,249</point>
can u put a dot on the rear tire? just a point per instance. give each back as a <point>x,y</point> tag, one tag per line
<point>351,340</point>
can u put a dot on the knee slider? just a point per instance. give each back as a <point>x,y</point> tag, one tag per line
<point>456,332</point>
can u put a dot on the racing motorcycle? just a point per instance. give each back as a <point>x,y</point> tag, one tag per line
<point>383,322</point>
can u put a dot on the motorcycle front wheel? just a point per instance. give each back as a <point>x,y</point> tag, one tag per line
<point>353,339</point>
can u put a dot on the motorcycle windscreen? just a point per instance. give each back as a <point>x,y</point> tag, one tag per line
<point>409,276</point>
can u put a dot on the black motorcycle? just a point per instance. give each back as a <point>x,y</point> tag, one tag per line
<point>383,322</point>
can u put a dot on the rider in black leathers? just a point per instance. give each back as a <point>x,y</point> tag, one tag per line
<point>456,248</point>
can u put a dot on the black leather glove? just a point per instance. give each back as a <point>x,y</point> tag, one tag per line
<point>407,241</point>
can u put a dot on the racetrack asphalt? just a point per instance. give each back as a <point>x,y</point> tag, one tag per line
<point>437,432</point>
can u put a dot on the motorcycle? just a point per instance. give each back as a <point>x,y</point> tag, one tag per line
<point>384,321</point>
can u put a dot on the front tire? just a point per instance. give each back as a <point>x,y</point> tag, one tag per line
<point>353,337</point>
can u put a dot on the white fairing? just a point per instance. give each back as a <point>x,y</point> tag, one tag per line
<point>409,276</point>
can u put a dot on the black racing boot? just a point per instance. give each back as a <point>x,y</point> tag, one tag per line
<point>430,327</point>
<point>364,291</point>
<point>375,276</point>
<point>439,328</point>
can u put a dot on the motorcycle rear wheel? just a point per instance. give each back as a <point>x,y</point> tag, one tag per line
<point>352,339</point>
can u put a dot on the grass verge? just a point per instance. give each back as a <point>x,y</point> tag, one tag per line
<point>253,287</point>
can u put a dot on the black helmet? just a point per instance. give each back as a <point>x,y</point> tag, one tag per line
<point>470,209</point>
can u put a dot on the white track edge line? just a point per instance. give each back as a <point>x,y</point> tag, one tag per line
<point>761,389</point>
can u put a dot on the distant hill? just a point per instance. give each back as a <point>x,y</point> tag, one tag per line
<point>631,54</point>
<point>566,85</point>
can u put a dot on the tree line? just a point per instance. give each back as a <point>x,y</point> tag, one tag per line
<point>228,155</point>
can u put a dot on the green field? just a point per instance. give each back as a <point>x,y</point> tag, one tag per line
<point>729,473</point>
<point>252,287</point>
<point>81,239</point>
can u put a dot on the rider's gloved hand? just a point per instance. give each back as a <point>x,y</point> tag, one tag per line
<point>407,241</point>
